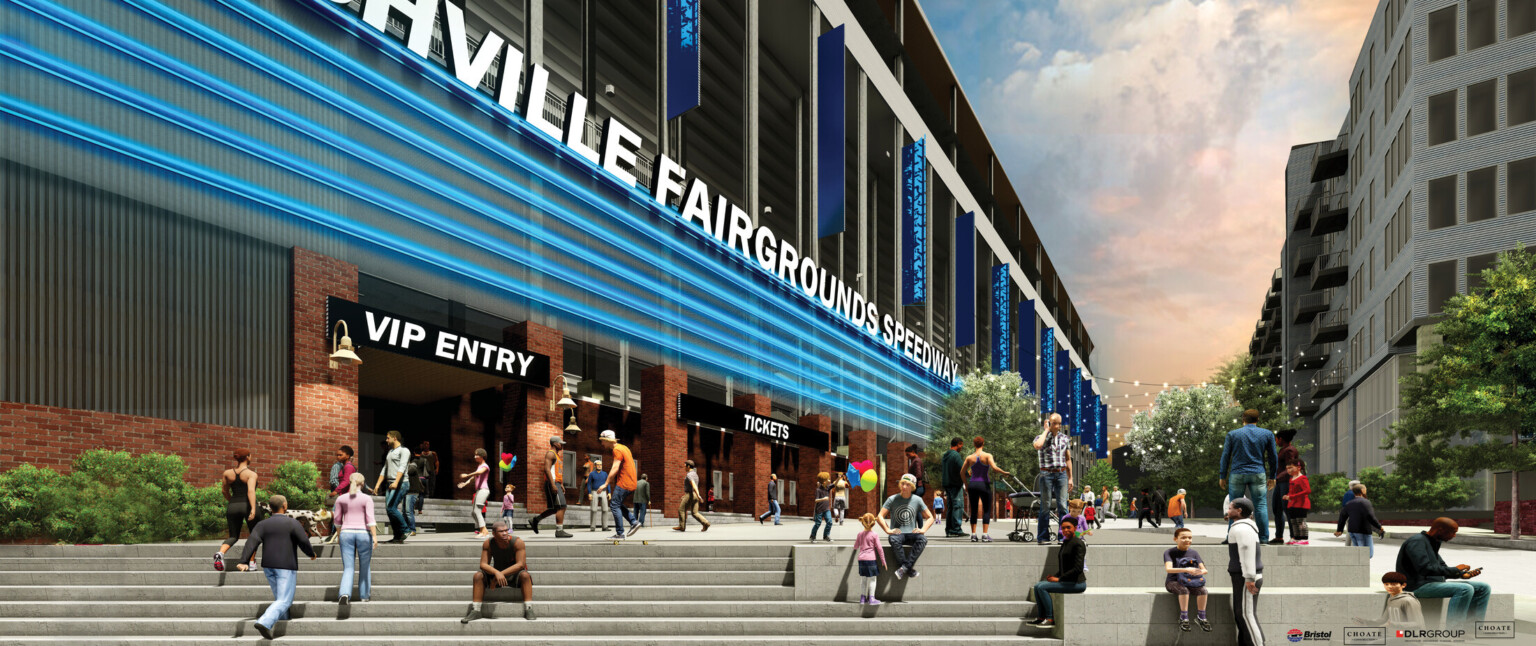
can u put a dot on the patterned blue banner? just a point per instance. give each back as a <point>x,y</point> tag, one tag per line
<point>1102,450</point>
<point>683,42</point>
<point>914,223</point>
<point>1047,371</point>
<point>1002,320</point>
<point>1064,386</point>
<point>965,279</point>
<point>1085,414</point>
<point>831,139</point>
<point>1027,347</point>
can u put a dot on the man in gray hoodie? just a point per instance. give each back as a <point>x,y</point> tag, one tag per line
<point>1245,564</point>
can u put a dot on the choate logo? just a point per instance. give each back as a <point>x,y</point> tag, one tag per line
<point>1365,636</point>
<point>1296,635</point>
<point>1494,630</point>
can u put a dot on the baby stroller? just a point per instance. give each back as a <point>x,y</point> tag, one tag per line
<point>1020,495</point>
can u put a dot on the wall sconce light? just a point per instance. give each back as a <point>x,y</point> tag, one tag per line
<point>343,353</point>
<point>566,404</point>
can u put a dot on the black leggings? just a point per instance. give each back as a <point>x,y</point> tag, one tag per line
<point>981,497</point>
<point>234,516</point>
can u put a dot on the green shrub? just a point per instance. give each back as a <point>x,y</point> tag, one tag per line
<point>28,497</point>
<point>299,483</point>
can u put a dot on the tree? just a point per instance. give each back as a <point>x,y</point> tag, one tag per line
<point>1252,391</point>
<point>1101,475</point>
<point>1178,443</point>
<point>996,407</point>
<point>1476,387</point>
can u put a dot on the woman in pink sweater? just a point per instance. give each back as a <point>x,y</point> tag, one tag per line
<point>867,548</point>
<point>353,514</point>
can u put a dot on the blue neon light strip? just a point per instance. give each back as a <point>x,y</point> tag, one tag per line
<point>1048,371</point>
<point>160,14</point>
<point>349,22</point>
<point>1002,320</point>
<point>914,223</point>
<point>684,38</point>
<point>1027,347</point>
<point>965,279</point>
<point>831,133</point>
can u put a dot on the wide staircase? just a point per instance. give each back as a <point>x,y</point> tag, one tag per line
<point>585,592</point>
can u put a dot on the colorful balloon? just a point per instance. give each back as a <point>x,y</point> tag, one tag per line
<point>508,461</point>
<point>868,480</point>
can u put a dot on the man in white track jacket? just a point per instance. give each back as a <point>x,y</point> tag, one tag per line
<point>1246,566</point>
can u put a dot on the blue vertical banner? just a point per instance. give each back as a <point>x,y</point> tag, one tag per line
<point>1085,414</point>
<point>965,279</point>
<point>1064,386</point>
<point>1002,320</point>
<point>1047,371</point>
<point>1027,347</point>
<point>1101,450</point>
<point>683,43</point>
<point>914,223</point>
<point>831,138</point>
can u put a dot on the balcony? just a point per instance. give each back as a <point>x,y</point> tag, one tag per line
<point>1303,406</point>
<point>1312,357</point>
<point>1327,384</point>
<point>1330,270</point>
<point>1304,208</point>
<point>1330,327</point>
<point>1332,213</point>
<point>1272,299</point>
<point>1308,306</point>
<point>1267,359</point>
<point>1330,160</point>
<point>1301,261</point>
<point>1277,280</point>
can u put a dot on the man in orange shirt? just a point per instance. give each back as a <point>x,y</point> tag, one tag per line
<point>621,483</point>
<point>1176,510</point>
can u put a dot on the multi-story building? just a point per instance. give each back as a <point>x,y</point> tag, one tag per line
<point>761,235</point>
<point>1432,174</point>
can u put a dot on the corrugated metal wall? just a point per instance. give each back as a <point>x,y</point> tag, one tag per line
<point>112,305</point>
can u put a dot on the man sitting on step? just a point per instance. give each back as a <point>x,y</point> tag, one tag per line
<point>911,519</point>
<point>503,563</point>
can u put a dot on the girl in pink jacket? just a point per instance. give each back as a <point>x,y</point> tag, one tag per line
<point>867,548</point>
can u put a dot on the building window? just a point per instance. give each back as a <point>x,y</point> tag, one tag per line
<point>1442,34</point>
<point>1521,185</point>
<point>1442,117</point>
<point>1442,202</point>
<point>568,469</point>
<point>1480,194</point>
<point>1475,267</point>
<point>1521,95</point>
<point>1521,18</point>
<point>1442,284</point>
<point>1481,116</point>
<point>1481,28</point>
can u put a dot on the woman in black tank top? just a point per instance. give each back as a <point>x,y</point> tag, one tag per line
<point>240,491</point>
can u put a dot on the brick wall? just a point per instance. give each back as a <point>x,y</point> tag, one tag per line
<point>1527,517</point>
<point>324,404</point>
<point>750,460</point>
<point>527,422</point>
<point>861,446</point>
<point>813,461</point>
<point>667,445</point>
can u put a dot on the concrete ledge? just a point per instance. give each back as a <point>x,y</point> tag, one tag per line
<point>1150,615</point>
<point>1007,571</point>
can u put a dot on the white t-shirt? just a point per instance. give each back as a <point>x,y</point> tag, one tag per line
<point>1115,495</point>
<point>1088,496</point>
<point>395,463</point>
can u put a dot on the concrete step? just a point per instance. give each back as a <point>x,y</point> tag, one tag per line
<point>570,609</point>
<point>460,592</point>
<point>458,576</point>
<point>584,547</point>
<point>575,640</point>
<point>392,564</point>
<point>514,625</point>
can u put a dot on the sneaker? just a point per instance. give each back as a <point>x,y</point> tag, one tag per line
<point>534,527</point>
<point>1278,541</point>
<point>873,601</point>
<point>1184,625</point>
<point>706,528</point>
<point>1038,621</point>
<point>901,572</point>
<point>413,533</point>
<point>678,529</point>
<point>560,533</point>
<point>632,530</point>
<point>1303,542</point>
<point>218,561</point>
<point>986,538</point>
<point>863,599</point>
<point>266,633</point>
<point>528,613</point>
<point>911,573</point>
<point>975,538</point>
<point>343,607</point>
<point>616,537</point>
<point>472,615</point>
<point>1205,624</point>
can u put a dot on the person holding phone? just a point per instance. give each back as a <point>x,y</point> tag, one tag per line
<point>1430,578</point>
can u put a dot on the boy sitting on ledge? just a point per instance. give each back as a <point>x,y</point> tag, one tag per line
<point>1186,576</point>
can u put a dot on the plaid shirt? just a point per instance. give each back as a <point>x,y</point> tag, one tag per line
<point>1053,455</point>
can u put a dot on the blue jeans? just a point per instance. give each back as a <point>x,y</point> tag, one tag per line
<point>282,583</point>
<point>617,506</point>
<point>820,516</point>
<point>1043,592</point>
<point>914,541</point>
<point>1251,486</point>
<point>952,511</point>
<point>1178,521</point>
<point>773,510</point>
<point>1468,600</point>
<point>640,514</point>
<point>1053,486</point>
<point>410,511</point>
<point>1364,539</point>
<point>392,502</point>
<point>359,545</point>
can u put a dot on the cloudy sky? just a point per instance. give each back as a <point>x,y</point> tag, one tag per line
<point>1148,141</point>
